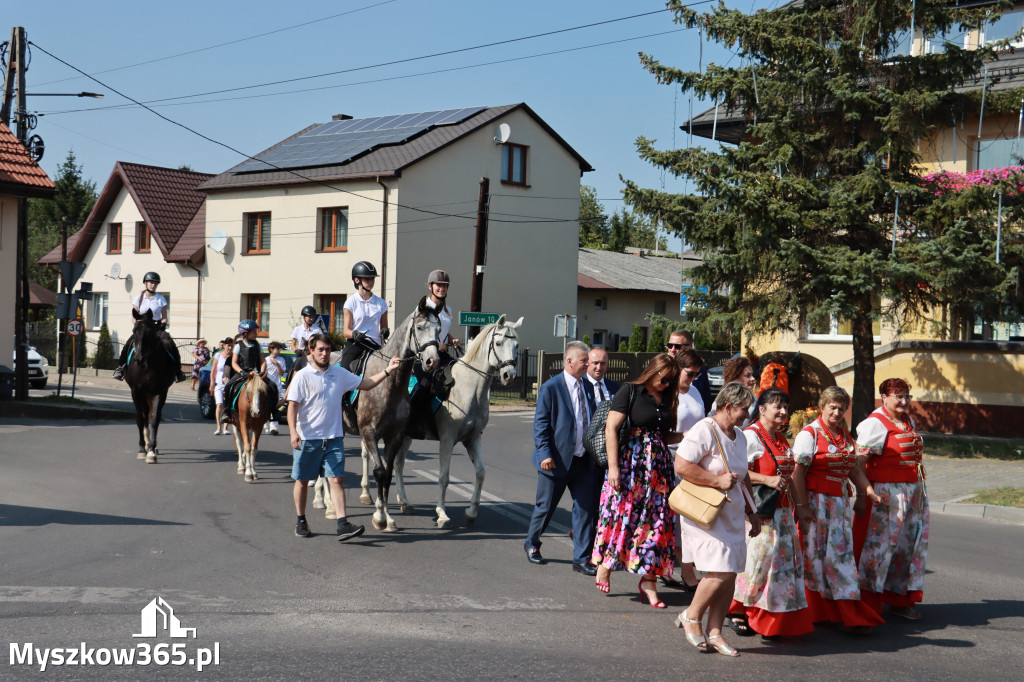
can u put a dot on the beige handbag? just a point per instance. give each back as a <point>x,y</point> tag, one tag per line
<point>700,503</point>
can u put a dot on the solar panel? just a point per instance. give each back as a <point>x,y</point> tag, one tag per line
<point>339,142</point>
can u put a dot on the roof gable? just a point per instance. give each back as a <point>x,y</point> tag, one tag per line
<point>20,175</point>
<point>166,198</point>
<point>382,160</point>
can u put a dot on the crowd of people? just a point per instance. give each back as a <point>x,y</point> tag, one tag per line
<point>829,530</point>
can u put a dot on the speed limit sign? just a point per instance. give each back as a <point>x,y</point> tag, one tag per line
<point>74,327</point>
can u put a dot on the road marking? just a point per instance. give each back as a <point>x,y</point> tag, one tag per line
<point>504,507</point>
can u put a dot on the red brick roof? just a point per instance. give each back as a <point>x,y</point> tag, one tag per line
<point>166,198</point>
<point>20,176</point>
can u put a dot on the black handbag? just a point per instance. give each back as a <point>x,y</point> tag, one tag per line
<point>594,439</point>
<point>766,498</point>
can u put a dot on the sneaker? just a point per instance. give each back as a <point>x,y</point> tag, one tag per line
<point>349,531</point>
<point>302,529</point>
<point>217,432</point>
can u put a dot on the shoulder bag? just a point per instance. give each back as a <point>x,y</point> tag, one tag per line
<point>594,438</point>
<point>766,498</point>
<point>701,504</point>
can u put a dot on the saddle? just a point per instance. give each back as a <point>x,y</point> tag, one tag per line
<point>233,388</point>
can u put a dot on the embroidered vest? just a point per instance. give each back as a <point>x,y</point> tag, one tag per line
<point>783,455</point>
<point>901,452</point>
<point>829,471</point>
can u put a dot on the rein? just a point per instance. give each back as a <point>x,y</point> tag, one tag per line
<point>490,351</point>
<point>411,353</point>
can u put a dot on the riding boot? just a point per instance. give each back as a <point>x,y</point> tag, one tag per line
<point>118,373</point>
<point>126,350</point>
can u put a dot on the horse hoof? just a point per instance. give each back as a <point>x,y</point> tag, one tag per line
<point>470,520</point>
<point>319,504</point>
<point>392,527</point>
<point>379,525</point>
<point>330,514</point>
<point>366,499</point>
<point>407,508</point>
<point>249,478</point>
<point>240,471</point>
<point>443,523</point>
<point>141,455</point>
<point>151,458</point>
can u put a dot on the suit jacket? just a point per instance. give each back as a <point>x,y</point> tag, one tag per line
<point>703,384</point>
<point>612,386</point>
<point>554,425</point>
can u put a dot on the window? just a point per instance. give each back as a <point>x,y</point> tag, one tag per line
<point>114,238</point>
<point>100,302</point>
<point>836,329</point>
<point>513,164</point>
<point>331,305</point>
<point>141,237</point>
<point>996,153</point>
<point>333,232</point>
<point>599,339</point>
<point>1006,26</point>
<point>257,233</point>
<point>659,307</point>
<point>600,304</point>
<point>257,307</point>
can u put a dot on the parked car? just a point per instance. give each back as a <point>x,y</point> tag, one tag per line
<point>208,407</point>
<point>716,381</point>
<point>38,368</point>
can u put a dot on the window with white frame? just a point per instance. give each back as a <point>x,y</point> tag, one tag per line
<point>1007,26</point>
<point>100,304</point>
<point>996,152</point>
<point>834,328</point>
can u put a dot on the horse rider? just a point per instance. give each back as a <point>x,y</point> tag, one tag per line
<point>365,316</point>
<point>300,338</point>
<point>438,282</point>
<point>247,356</point>
<point>152,301</point>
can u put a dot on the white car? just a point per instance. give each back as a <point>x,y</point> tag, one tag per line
<point>38,368</point>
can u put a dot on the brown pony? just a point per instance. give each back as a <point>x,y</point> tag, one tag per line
<point>251,413</point>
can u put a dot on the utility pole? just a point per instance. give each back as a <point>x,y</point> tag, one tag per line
<point>480,251</point>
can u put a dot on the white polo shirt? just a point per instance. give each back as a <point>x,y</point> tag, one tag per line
<point>318,394</point>
<point>156,303</point>
<point>301,334</point>
<point>444,316</point>
<point>366,314</point>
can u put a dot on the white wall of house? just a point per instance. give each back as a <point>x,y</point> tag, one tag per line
<point>177,284</point>
<point>293,274</point>
<point>605,313</point>
<point>8,276</point>
<point>531,266</point>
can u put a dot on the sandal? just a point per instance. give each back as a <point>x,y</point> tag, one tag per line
<point>607,584</point>
<point>722,648</point>
<point>603,587</point>
<point>653,601</point>
<point>740,625</point>
<point>701,644</point>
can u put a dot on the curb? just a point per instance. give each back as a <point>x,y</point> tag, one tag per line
<point>992,512</point>
<point>52,411</point>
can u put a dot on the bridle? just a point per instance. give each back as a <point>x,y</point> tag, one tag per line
<point>500,364</point>
<point>413,349</point>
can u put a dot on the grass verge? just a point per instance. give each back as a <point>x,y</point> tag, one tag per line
<point>1004,497</point>
<point>973,447</point>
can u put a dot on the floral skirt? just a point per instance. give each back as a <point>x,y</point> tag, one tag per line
<point>892,544</point>
<point>635,530</point>
<point>830,569</point>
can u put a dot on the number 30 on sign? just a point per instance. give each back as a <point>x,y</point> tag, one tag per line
<point>74,327</point>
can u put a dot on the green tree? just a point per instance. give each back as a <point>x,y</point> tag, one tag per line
<point>636,340</point>
<point>105,350</point>
<point>795,222</point>
<point>618,237</point>
<point>594,230</point>
<point>586,339</point>
<point>623,346</point>
<point>74,199</point>
<point>656,342</point>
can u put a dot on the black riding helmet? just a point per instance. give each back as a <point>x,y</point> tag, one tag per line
<point>363,268</point>
<point>308,310</point>
<point>151,277</point>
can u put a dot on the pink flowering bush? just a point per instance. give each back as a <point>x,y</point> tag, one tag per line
<point>946,181</point>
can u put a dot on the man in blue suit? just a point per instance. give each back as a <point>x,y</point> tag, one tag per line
<point>598,388</point>
<point>563,414</point>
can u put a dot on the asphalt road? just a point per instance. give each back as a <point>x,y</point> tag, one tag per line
<point>89,536</point>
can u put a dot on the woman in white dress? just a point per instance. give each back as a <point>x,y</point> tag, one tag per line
<point>714,453</point>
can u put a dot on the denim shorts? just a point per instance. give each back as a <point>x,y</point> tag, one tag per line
<point>327,453</point>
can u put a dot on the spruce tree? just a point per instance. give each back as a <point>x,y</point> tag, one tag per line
<point>104,350</point>
<point>656,342</point>
<point>795,222</point>
<point>636,340</point>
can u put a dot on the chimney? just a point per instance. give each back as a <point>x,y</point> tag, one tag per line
<point>341,117</point>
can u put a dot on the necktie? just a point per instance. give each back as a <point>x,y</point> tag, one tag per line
<point>601,395</point>
<point>582,399</point>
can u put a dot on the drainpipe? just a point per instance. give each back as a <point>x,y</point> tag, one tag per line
<point>199,295</point>
<point>384,245</point>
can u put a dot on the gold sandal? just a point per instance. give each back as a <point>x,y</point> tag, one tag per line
<point>701,643</point>
<point>722,648</point>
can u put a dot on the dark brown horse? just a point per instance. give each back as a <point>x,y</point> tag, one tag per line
<point>248,417</point>
<point>150,372</point>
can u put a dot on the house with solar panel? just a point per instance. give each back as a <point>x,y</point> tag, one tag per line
<point>145,219</point>
<point>402,192</point>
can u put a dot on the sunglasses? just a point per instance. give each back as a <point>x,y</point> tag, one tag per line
<point>692,375</point>
<point>674,346</point>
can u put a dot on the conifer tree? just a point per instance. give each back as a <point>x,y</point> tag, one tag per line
<point>636,340</point>
<point>795,222</point>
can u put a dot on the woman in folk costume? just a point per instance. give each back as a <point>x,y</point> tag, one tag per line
<point>826,464</point>
<point>891,540</point>
<point>770,599</point>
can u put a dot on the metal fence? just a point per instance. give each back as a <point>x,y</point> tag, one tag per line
<point>524,386</point>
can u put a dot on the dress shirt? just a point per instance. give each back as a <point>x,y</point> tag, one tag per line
<point>573,384</point>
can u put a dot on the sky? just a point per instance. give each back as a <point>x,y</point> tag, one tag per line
<point>586,82</point>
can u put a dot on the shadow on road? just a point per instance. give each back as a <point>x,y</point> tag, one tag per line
<point>19,515</point>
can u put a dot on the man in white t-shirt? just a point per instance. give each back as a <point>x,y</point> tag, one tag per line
<point>315,423</point>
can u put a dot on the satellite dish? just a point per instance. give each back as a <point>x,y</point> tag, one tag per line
<point>219,241</point>
<point>502,133</point>
<point>115,271</point>
<point>36,147</point>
